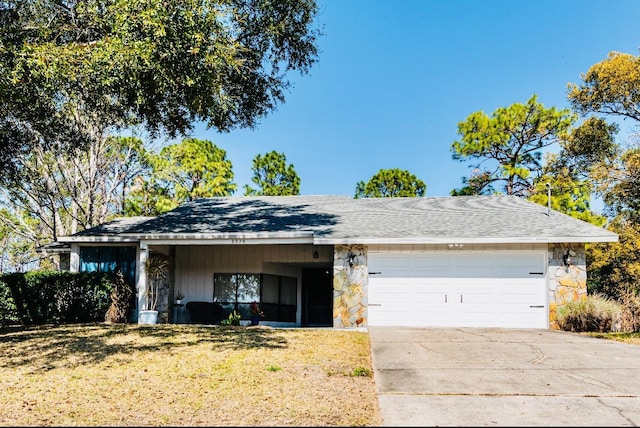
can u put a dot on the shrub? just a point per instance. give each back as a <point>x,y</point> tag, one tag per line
<point>630,318</point>
<point>8,311</point>
<point>121,301</point>
<point>234,319</point>
<point>362,371</point>
<point>40,297</point>
<point>596,312</point>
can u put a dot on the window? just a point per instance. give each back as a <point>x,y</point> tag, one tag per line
<point>109,259</point>
<point>236,291</point>
<point>277,295</point>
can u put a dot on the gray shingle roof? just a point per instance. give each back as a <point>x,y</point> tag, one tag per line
<point>342,219</point>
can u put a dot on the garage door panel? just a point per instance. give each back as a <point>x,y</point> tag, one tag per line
<point>477,262</point>
<point>407,291</point>
<point>398,317</point>
<point>489,290</point>
<point>406,297</point>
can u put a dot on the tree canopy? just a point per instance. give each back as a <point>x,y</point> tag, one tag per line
<point>273,176</point>
<point>569,194</point>
<point>391,183</point>
<point>610,87</point>
<point>160,64</point>
<point>181,172</point>
<point>507,146</point>
<point>60,192</point>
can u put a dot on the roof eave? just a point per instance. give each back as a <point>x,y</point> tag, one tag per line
<point>198,238</point>
<point>309,238</point>
<point>455,240</point>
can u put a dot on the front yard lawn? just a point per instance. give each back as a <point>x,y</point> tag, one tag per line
<point>100,374</point>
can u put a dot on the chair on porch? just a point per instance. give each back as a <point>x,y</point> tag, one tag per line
<point>205,312</point>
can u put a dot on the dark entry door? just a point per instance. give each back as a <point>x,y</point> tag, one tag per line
<point>317,297</point>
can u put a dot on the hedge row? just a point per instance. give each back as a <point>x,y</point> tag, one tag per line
<point>42,297</point>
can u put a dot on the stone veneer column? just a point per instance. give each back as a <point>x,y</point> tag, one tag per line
<point>567,283</point>
<point>350,280</point>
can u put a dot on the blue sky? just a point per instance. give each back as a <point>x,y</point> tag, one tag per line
<point>394,78</point>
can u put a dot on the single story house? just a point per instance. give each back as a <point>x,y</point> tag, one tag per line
<point>326,260</point>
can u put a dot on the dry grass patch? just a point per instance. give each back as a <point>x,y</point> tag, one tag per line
<point>632,338</point>
<point>90,375</point>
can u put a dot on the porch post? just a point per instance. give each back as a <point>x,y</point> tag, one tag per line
<point>74,258</point>
<point>141,283</point>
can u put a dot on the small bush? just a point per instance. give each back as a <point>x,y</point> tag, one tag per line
<point>122,295</point>
<point>362,371</point>
<point>234,319</point>
<point>594,313</point>
<point>630,318</point>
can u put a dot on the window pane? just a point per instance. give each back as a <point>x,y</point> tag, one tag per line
<point>288,290</point>
<point>127,263</point>
<point>270,288</point>
<point>248,287</point>
<point>89,259</point>
<point>107,259</point>
<point>224,289</point>
<point>277,295</point>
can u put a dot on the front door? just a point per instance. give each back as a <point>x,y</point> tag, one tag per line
<point>317,297</point>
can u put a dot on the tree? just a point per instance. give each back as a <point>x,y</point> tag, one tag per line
<point>614,268</point>
<point>569,195</point>
<point>147,197</point>
<point>610,87</point>
<point>182,172</point>
<point>161,64</point>
<point>509,143</point>
<point>623,193</point>
<point>571,173</point>
<point>16,253</point>
<point>60,193</point>
<point>589,147</point>
<point>612,172</point>
<point>391,183</point>
<point>273,176</point>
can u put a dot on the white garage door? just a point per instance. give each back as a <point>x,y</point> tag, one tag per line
<point>459,290</point>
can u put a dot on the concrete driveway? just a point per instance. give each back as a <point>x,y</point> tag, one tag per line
<point>503,377</point>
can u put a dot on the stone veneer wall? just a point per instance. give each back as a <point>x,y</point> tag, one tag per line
<point>566,283</point>
<point>350,279</point>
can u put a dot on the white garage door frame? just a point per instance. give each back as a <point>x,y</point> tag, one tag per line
<point>458,289</point>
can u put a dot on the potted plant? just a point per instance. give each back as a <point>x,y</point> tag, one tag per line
<point>256,313</point>
<point>156,269</point>
<point>179,297</point>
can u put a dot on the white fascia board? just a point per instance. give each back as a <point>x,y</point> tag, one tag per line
<point>98,239</point>
<point>232,241</point>
<point>454,240</point>
<point>307,236</point>
<point>200,238</point>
